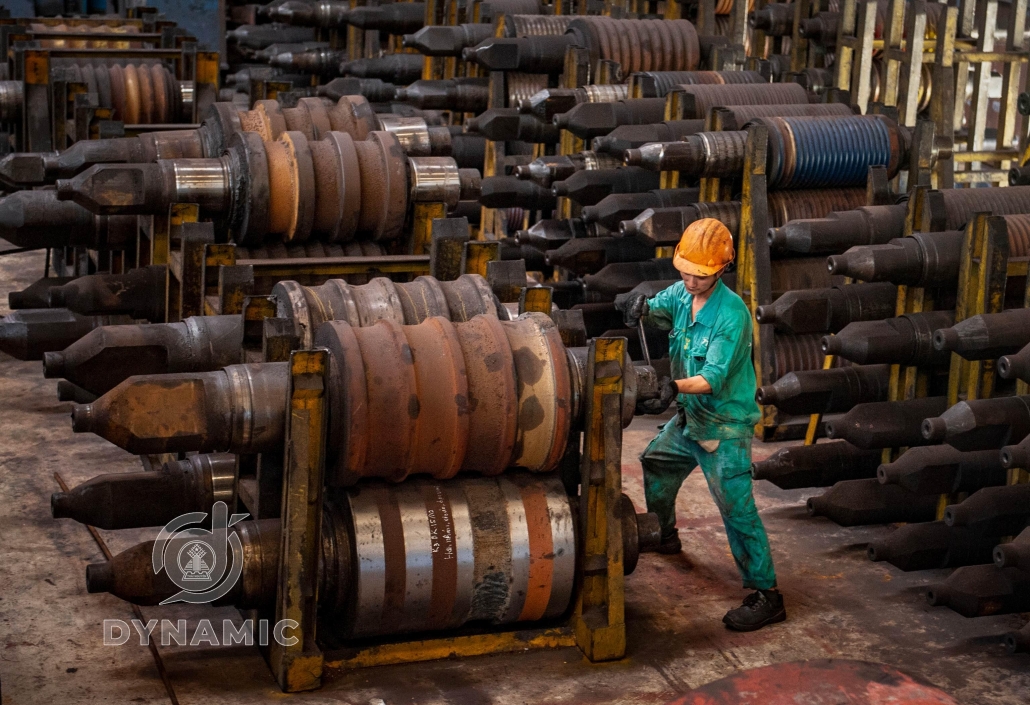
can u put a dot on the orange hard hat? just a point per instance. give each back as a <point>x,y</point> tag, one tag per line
<point>705,248</point>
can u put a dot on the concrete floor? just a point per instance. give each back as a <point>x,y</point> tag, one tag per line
<point>840,604</point>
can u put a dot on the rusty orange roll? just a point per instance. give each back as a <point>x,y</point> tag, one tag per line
<point>482,397</point>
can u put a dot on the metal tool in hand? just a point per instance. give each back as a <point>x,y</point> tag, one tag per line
<point>643,342</point>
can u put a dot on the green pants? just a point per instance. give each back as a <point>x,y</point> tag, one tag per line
<point>667,462</point>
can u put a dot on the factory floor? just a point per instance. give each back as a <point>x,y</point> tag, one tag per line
<point>840,604</point>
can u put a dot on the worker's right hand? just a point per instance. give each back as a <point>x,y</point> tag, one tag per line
<point>633,307</point>
<point>668,389</point>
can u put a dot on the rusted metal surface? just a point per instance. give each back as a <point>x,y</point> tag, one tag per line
<point>28,334</point>
<point>698,100</point>
<point>798,353</point>
<point>381,299</point>
<point>822,682</point>
<point>785,205</point>
<point>150,498</point>
<point>108,355</point>
<point>382,377</point>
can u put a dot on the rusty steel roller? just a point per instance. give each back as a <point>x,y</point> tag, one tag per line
<point>698,100</point>
<point>417,557</point>
<point>960,204</point>
<point>800,353</point>
<point>736,116</point>
<point>1019,235</point>
<point>657,84</point>
<point>147,93</point>
<point>334,189</point>
<point>474,396</point>
<point>785,206</point>
<point>637,45</point>
<point>814,152</point>
<point>480,396</point>
<point>406,303</point>
<point>640,45</point>
<point>110,355</point>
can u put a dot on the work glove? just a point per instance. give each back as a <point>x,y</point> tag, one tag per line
<point>633,307</point>
<point>667,393</point>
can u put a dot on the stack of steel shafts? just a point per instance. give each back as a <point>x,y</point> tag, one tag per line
<point>328,180</point>
<point>929,425</point>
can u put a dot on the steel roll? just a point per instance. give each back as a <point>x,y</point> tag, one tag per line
<point>334,188</point>
<point>961,203</point>
<point>744,113</point>
<point>405,303</point>
<point>431,556</point>
<point>726,212</point>
<point>660,83</point>
<point>787,205</point>
<point>639,45</point>
<point>800,273</point>
<point>823,152</point>
<point>800,353</point>
<point>1019,235</point>
<point>482,397</point>
<point>536,25</point>
<point>700,99</point>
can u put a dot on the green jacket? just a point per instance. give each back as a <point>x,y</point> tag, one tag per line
<point>716,346</point>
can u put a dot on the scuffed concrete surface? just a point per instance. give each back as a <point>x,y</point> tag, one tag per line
<point>840,604</point>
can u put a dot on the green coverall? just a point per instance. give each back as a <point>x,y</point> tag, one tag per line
<point>716,346</point>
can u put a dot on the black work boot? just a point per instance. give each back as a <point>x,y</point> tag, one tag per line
<point>760,608</point>
<point>670,544</point>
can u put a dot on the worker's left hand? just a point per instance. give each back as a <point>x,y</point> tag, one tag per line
<point>668,391</point>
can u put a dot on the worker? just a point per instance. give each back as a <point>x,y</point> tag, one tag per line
<point>713,383</point>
